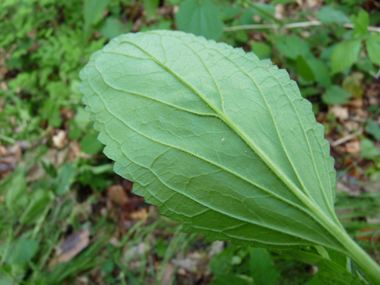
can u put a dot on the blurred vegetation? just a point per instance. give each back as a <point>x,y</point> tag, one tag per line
<point>66,218</point>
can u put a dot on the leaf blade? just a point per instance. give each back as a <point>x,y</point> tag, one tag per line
<point>199,126</point>
<point>344,55</point>
<point>373,45</point>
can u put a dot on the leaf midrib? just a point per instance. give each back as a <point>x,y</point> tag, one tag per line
<point>328,204</point>
<point>307,139</point>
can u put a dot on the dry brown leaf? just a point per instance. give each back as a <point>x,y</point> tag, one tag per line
<point>339,112</point>
<point>74,150</point>
<point>168,274</point>
<point>353,147</point>
<point>9,159</point>
<point>138,215</point>
<point>256,18</point>
<point>36,172</point>
<point>182,271</point>
<point>117,195</point>
<point>190,262</point>
<point>279,12</point>
<point>3,86</point>
<point>134,265</point>
<point>3,150</point>
<point>3,71</point>
<point>60,139</point>
<point>355,103</point>
<point>216,248</point>
<point>351,126</point>
<point>342,187</point>
<point>373,187</point>
<point>67,113</point>
<point>73,245</point>
<point>134,252</point>
<point>353,84</point>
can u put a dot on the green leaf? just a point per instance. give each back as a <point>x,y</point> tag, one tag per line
<point>228,11</point>
<point>304,69</point>
<point>16,198</point>
<point>373,128</point>
<point>216,135</point>
<point>353,84</point>
<point>50,112</point>
<point>111,28</point>
<point>38,202</point>
<point>64,179</point>
<point>309,91</point>
<point>93,11</point>
<point>262,267</point>
<point>74,132</point>
<point>79,124</point>
<point>344,55</point>
<point>162,25</point>
<point>20,251</point>
<point>328,277</point>
<point>335,95</point>
<point>268,8</point>
<point>82,118</point>
<point>292,46</point>
<point>334,264</point>
<point>247,17</point>
<point>340,259</point>
<point>367,149</point>
<point>173,2</point>
<point>90,145</point>
<point>221,263</point>
<point>321,71</point>
<point>242,36</point>
<point>262,50</point>
<point>221,141</point>
<point>150,7</point>
<point>328,14</point>
<point>283,2</point>
<point>373,47</point>
<point>312,257</point>
<point>201,18</point>
<point>361,22</point>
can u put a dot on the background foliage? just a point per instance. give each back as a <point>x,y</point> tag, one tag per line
<point>65,218</point>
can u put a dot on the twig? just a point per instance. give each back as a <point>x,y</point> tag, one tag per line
<point>290,26</point>
<point>252,27</point>
<point>370,28</point>
<point>347,138</point>
<point>355,119</point>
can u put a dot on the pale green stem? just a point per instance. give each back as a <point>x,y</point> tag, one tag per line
<point>368,266</point>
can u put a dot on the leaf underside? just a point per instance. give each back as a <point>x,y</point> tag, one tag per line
<point>219,140</point>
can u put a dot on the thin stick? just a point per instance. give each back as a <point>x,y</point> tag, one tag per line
<point>290,26</point>
<point>347,138</point>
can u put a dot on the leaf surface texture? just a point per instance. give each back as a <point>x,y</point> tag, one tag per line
<point>218,139</point>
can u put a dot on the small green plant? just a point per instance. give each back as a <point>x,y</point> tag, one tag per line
<point>224,143</point>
